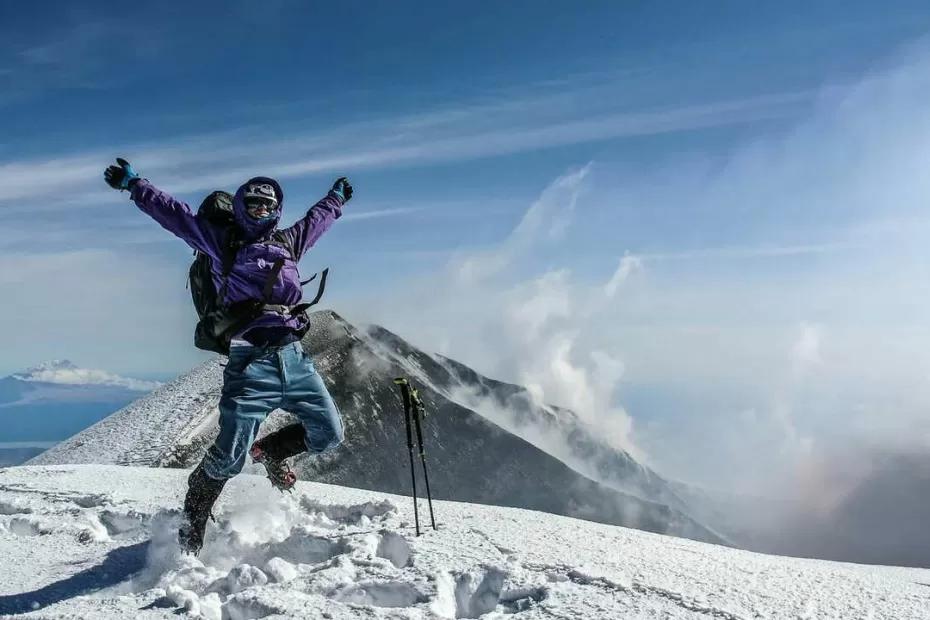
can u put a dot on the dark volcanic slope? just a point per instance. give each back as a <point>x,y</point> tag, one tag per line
<point>470,458</point>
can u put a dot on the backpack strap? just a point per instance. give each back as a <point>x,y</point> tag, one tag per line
<point>231,246</point>
<point>272,279</point>
<point>231,249</point>
<point>278,239</point>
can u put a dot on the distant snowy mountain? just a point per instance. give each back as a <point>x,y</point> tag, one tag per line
<point>54,400</point>
<point>487,441</point>
<point>65,372</point>
<point>99,542</point>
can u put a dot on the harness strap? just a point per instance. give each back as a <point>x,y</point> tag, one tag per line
<point>301,307</point>
<point>272,279</point>
<point>319,291</point>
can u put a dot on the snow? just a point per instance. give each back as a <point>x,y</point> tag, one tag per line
<point>98,541</point>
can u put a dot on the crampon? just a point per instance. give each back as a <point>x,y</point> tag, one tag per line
<point>280,474</point>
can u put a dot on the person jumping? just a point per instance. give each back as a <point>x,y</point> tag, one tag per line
<point>254,270</point>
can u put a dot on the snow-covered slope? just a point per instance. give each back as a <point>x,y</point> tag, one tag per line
<point>144,432</point>
<point>96,542</point>
<point>478,453</point>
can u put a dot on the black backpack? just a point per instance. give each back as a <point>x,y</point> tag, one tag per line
<point>218,323</point>
<point>218,210</point>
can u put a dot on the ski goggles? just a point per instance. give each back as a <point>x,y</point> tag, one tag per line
<point>260,200</point>
<point>260,208</point>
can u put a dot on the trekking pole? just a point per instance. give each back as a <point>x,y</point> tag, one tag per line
<point>405,394</point>
<point>419,411</point>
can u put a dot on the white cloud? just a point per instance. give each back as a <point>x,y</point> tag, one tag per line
<point>430,137</point>
<point>806,350</point>
<point>544,222</point>
<point>628,265</point>
<point>76,53</point>
<point>355,216</point>
<point>760,251</point>
<point>24,179</point>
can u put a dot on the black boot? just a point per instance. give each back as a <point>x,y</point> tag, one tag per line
<point>202,493</point>
<point>272,450</point>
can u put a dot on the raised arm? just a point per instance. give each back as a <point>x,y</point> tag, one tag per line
<point>173,215</point>
<point>305,232</point>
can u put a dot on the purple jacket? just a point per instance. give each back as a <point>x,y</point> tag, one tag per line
<point>255,259</point>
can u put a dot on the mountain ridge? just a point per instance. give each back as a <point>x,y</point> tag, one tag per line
<point>472,457</point>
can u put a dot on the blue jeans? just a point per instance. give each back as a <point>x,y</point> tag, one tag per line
<point>258,380</point>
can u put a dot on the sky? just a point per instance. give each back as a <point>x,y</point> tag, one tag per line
<point>703,226</point>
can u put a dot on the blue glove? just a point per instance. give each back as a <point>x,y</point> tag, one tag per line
<point>121,176</point>
<point>343,189</point>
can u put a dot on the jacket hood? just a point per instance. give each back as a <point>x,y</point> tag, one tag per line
<point>253,228</point>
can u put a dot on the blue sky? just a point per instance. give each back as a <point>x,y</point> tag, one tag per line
<point>737,156</point>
